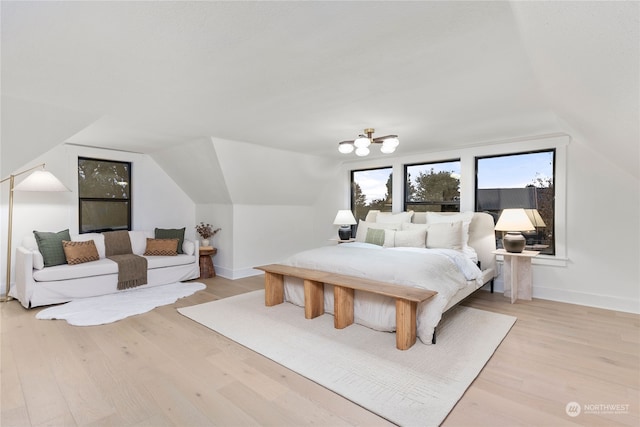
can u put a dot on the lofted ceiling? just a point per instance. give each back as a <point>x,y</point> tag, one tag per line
<point>302,76</point>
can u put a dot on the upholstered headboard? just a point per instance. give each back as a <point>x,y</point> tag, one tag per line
<point>482,236</point>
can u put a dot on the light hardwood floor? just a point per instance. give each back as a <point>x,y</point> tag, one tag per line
<point>162,369</point>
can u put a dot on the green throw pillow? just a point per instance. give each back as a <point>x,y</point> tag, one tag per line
<point>171,233</point>
<point>50,246</point>
<point>375,236</point>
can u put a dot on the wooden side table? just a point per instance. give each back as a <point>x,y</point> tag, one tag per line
<point>206,263</point>
<point>517,274</point>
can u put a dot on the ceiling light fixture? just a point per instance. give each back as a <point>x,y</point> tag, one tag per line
<point>361,144</point>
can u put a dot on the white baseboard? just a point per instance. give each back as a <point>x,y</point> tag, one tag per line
<point>228,273</point>
<point>580,298</point>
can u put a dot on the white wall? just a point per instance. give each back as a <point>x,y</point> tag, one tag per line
<point>157,200</point>
<point>597,220</point>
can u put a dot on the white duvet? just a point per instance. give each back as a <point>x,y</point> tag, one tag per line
<point>442,270</point>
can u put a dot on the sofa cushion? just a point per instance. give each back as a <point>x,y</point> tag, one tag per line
<point>169,261</point>
<point>98,240</point>
<point>50,246</point>
<point>161,247</point>
<point>171,233</point>
<point>66,271</point>
<point>80,252</point>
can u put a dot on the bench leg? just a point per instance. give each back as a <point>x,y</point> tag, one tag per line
<point>405,323</point>
<point>273,289</point>
<point>313,299</point>
<point>343,307</point>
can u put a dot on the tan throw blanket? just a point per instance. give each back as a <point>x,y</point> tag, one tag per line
<point>132,269</point>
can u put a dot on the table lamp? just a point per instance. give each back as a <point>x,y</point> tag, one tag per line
<point>345,219</point>
<point>514,221</point>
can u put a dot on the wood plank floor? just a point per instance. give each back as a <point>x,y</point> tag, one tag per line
<point>162,369</point>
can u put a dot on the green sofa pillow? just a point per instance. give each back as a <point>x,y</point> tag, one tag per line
<point>50,246</point>
<point>171,233</point>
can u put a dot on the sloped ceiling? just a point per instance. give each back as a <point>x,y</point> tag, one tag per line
<point>301,76</point>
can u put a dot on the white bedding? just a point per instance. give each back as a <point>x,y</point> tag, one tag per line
<point>441,270</point>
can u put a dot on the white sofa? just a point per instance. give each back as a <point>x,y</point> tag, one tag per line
<point>36,285</point>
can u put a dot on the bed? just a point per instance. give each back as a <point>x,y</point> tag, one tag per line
<point>450,253</point>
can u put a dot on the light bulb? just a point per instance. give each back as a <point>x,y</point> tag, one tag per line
<point>345,147</point>
<point>391,142</point>
<point>362,151</point>
<point>362,142</point>
<point>386,149</point>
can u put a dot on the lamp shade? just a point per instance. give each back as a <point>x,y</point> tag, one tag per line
<point>535,218</point>
<point>514,220</point>
<point>345,147</point>
<point>362,142</point>
<point>41,180</point>
<point>344,217</point>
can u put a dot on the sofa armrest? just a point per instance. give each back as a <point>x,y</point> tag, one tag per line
<point>22,289</point>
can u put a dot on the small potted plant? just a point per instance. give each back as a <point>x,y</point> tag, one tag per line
<point>206,231</point>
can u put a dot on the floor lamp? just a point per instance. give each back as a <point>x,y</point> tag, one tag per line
<point>39,180</point>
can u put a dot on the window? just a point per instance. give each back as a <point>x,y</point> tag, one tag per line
<point>104,195</point>
<point>523,180</point>
<point>433,187</point>
<point>371,190</point>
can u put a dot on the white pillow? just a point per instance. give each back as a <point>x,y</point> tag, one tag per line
<point>38,259</point>
<point>363,226</point>
<point>391,218</point>
<point>445,235</point>
<point>408,238</point>
<point>98,239</point>
<point>139,241</point>
<point>188,247</point>
<point>29,243</point>
<point>465,217</point>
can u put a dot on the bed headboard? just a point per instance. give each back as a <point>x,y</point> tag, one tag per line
<point>482,236</point>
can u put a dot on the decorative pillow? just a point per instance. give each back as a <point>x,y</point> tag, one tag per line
<point>171,233</point>
<point>50,246</point>
<point>29,243</point>
<point>97,238</point>
<point>79,252</point>
<point>162,247</point>
<point>188,247</point>
<point>410,238</point>
<point>465,217</point>
<point>391,218</point>
<point>363,226</point>
<point>375,236</point>
<point>445,235</point>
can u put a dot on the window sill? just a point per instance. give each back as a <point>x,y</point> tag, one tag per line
<point>547,260</point>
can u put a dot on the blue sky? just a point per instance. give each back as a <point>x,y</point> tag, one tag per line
<point>516,171</point>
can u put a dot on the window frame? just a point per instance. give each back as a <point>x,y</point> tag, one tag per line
<point>405,200</point>
<point>554,197</point>
<point>127,201</point>
<point>351,187</point>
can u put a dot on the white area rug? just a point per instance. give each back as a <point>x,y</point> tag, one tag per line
<point>110,308</point>
<point>416,387</point>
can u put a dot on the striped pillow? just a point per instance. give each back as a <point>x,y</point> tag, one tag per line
<point>375,236</point>
<point>79,252</point>
<point>162,247</point>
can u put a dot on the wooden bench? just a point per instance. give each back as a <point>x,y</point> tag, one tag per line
<point>407,298</point>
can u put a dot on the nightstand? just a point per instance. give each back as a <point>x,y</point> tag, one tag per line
<point>517,274</point>
<point>206,262</point>
<point>352,239</point>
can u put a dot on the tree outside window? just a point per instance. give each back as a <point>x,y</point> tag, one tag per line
<point>433,187</point>
<point>371,189</point>
<point>104,195</point>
